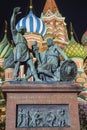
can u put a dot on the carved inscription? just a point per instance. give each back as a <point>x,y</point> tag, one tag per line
<point>42,116</point>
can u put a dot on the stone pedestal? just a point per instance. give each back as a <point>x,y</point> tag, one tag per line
<point>42,96</point>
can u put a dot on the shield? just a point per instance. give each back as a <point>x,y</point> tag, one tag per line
<point>68,70</point>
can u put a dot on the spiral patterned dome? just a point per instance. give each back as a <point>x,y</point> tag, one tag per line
<point>32,24</point>
<point>5,47</point>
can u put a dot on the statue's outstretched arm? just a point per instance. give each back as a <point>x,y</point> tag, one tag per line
<point>13,18</point>
<point>61,52</point>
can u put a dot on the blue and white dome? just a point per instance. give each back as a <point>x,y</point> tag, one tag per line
<point>32,24</point>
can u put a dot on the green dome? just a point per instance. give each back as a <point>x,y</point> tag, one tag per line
<point>5,47</point>
<point>74,49</point>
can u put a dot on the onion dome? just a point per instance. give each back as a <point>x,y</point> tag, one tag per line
<point>5,47</point>
<point>74,49</point>
<point>84,38</point>
<point>32,24</point>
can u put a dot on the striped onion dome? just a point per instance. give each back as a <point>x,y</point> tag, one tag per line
<point>32,24</point>
<point>5,47</point>
<point>74,49</point>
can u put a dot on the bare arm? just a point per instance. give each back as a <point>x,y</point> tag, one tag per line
<point>61,52</point>
<point>13,20</point>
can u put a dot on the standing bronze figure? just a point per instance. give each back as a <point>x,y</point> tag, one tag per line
<point>21,50</point>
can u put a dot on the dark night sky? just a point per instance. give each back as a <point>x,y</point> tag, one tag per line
<point>75,11</point>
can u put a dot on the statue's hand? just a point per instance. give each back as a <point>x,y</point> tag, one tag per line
<point>34,46</point>
<point>16,10</point>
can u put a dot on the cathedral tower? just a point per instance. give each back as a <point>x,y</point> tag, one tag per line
<point>55,23</point>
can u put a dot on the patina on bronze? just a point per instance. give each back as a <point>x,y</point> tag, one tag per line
<point>21,51</point>
<point>48,66</point>
<point>34,116</point>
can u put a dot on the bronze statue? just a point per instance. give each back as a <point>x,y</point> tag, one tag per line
<point>21,50</point>
<point>49,64</point>
<point>48,67</point>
